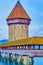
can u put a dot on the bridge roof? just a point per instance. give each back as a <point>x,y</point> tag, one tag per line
<point>26,41</point>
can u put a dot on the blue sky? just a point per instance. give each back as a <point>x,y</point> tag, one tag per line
<point>34,8</point>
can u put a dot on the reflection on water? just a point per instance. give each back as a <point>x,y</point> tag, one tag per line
<point>6,61</point>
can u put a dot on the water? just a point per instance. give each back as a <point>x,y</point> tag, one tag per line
<point>5,61</point>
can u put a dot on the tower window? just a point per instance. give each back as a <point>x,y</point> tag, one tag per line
<point>14,27</point>
<point>23,27</point>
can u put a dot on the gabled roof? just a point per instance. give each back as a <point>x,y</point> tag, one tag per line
<point>18,12</point>
<point>27,41</point>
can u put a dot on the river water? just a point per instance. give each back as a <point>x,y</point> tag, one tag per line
<point>5,61</point>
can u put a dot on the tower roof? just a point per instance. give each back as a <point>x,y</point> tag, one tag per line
<point>18,12</point>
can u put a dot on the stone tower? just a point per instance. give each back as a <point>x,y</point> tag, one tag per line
<point>18,22</point>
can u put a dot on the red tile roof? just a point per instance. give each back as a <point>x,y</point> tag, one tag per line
<point>18,12</point>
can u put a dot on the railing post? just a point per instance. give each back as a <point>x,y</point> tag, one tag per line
<point>39,47</point>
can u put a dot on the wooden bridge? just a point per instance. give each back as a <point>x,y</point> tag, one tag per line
<point>32,47</point>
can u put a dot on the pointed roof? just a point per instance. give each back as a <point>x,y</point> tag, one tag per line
<point>18,12</point>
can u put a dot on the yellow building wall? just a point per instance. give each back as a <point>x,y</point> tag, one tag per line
<point>18,31</point>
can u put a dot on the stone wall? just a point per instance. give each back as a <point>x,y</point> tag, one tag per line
<point>18,31</point>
